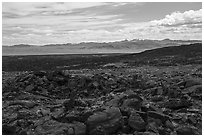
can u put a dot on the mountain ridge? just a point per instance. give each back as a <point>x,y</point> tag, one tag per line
<point>134,41</point>
<point>125,46</point>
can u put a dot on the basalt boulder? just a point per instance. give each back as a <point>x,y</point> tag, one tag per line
<point>105,122</point>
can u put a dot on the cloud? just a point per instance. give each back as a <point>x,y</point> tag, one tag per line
<point>23,9</point>
<point>186,25</point>
<point>43,23</point>
<point>178,18</point>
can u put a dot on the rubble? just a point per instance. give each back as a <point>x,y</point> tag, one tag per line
<point>136,122</point>
<point>59,102</point>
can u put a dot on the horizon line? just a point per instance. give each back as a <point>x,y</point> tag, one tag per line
<point>6,45</point>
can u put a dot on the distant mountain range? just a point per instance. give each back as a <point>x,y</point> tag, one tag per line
<point>125,46</point>
<point>122,44</point>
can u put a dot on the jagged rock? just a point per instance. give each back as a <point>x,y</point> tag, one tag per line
<point>115,102</point>
<point>153,125</point>
<point>149,106</point>
<point>197,89</point>
<point>79,128</point>
<point>70,116</point>
<point>157,98</point>
<point>76,114</point>
<point>57,112</point>
<point>105,122</point>
<point>152,91</point>
<point>160,91</point>
<point>26,103</point>
<point>192,119</point>
<point>41,111</point>
<point>136,122</point>
<point>164,131</point>
<point>39,73</point>
<point>8,130</point>
<point>157,115</point>
<point>138,83</point>
<point>55,103</point>
<point>151,84</point>
<point>69,104</point>
<point>80,102</point>
<point>194,110</point>
<point>51,127</point>
<point>177,104</point>
<point>191,82</point>
<point>29,88</point>
<point>155,91</point>
<point>186,130</point>
<point>10,116</point>
<point>119,90</point>
<point>169,124</point>
<point>95,84</point>
<point>173,92</point>
<point>126,129</point>
<point>84,115</point>
<point>133,102</point>
<point>144,133</point>
<point>131,94</point>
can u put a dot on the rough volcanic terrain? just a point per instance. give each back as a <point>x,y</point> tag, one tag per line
<point>113,99</point>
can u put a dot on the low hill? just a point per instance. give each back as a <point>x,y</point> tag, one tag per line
<point>184,54</point>
<point>186,50</point>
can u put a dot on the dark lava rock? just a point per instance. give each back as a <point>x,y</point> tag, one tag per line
<point>51,127</point>
<point>169,124</point>
<point>173,92</point>
<point>153,125</point>
<point>39,73</point>
<point>119,90</point>
<point>116,101</point>
<point>155,91</point>
<point>71,103</point>
<point>164,131</point>
<point>177,104</point>
<point>191,82</point>
<point>136,122</point>
<point>133,102</point>
<point>29,88</point>
<point>105,122</point>
<point>149,106</point>
<point>52,103</point>
<point>158,115</point>
<point>196,89</point>
<point>26,103</point>
<point>193,88</point>
<point>8,130</point>
<point>144,133</point>
<point>157,98</point>
<point>186,130</point>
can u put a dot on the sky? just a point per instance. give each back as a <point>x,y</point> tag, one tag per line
<point>41,23</point>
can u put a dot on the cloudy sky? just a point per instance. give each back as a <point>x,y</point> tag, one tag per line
<point>44,23</point>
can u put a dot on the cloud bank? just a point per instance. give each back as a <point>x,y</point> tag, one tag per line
<point>44,23</point>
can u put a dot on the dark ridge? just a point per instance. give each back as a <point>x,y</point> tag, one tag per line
<point>186,50</point>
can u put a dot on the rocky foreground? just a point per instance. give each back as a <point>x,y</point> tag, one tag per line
<point>140,101</point>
